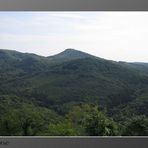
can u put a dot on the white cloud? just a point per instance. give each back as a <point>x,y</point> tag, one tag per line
<point>112,35</point>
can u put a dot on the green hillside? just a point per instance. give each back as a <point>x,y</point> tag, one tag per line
<point>69,82</point>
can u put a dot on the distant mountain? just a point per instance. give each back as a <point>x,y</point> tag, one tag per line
<point>72,77</point>
<point>38,94</point>
<point>68,55</point>
<point>140,66</point>
<point>71,54</point>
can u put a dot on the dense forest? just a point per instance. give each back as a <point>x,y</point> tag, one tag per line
<point>72,94</point>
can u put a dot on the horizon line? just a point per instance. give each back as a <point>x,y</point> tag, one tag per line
<point>8,49</point>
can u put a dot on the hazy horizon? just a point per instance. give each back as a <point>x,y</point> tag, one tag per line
<point>118,36</point>
<point>73,49</point>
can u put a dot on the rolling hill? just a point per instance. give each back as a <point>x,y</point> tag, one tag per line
<point>72,78</point>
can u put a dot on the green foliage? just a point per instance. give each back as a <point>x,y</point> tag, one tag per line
<point>27,120</point>
<point>61,129</point>
<point>137,126</point>
<point>34,88</point>
<point>9,125</point>
<point>30,121</point>
<point>93,121</point>
<point>97,124</point>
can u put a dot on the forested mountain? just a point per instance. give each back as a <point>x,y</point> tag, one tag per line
<point>70,92</point>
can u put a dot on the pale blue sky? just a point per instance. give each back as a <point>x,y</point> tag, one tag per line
<point>119,36</point>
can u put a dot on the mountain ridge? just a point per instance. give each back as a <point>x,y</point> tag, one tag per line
<point>72,79</point>
<point>69,52</point>
<point>110,75</point>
